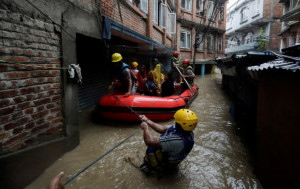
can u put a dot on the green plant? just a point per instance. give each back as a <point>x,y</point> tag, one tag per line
<point>261,40</point>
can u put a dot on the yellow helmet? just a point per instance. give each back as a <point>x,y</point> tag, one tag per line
<point>134,64</point>
<point>116,57</point>
<point>187,119</point>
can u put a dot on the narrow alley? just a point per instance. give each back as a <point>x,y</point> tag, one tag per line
<point>218,160</point>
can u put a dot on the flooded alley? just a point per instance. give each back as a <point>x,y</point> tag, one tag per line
<point>218,160</point>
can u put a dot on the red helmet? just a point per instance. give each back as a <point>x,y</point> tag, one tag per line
<point>175,53</point>
<point>186,61</point>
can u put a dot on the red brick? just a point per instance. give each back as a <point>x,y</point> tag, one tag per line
<point>55,61</point>
<point>18,130</point>
<point>7,110</point>
<point>57,120</point>
<point>57,85</point>
<point>23,120</point>
<point>4,118</point>
<point>30,97</point>
<point>56,98</point>
<point>50,117</point>
<point>50,79</point>
<point>41,127</point>
<point>35,115</point>
<point>28,90</point>
<point>40,121</point>
<point>51,92</point>
<point>40,108</point>
<point>19,99</point>
<point>10,126</point>
<point>4,102</point>
<point>8,93</point>
<point>44,73</point>
<point>50,106</point>
<point>30,125</point>
<point>29,111</point>
<point>24,105</point>
<point>55,72</point>
<point>29,81</point>
<point>57,109</point>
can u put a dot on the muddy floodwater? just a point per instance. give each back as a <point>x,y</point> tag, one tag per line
<point>218,160</point>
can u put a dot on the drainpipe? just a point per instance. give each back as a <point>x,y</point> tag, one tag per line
<point>271,24</point>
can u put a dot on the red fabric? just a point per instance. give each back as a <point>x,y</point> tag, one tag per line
<point>141,79</point>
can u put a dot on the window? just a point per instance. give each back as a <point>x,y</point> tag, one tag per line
<point>185,38</point>
<point>186,4</point>
<point>162,15</point>
<point>211,13</point>
<point>141,4</point>
<point>220,41</point>
<point>155,11</point>
<point>200,42</point>
<point>249,38</point>
<point>200,7</point>
<point>171,23</point>
<point>221,13</point>
<point>144,6</point>
<point>210,43</point>
<point>243,15</point>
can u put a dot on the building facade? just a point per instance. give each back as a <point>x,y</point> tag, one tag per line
<point>140,30</point>
<point>200,30</point>
<point>245,19</point>
<point>290,31</point>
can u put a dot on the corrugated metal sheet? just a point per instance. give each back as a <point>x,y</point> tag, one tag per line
<point>91,90</point>
<point>284,63</point>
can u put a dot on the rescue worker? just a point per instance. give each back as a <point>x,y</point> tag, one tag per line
<point>133,72</point>
<point>176,141</point>
<point>187,73</point>
<point>123,81</point>
<point>175,60</point>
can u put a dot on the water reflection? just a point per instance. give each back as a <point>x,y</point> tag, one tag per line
<point>218,159</point>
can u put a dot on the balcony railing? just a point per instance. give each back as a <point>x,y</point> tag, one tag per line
<point>241,48</point>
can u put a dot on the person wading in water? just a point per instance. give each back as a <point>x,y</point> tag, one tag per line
<point>176,141</point>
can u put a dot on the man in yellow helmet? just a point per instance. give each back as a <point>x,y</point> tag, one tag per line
<point>174,144</point>
<point>133,72</point>
<point>123,76</point>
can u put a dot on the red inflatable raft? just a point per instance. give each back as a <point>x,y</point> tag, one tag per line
<point>120,108</point>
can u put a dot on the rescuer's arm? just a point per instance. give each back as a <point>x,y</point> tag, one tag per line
<point>155,126</point>
<point>129,88</point>
<point>148,138</point>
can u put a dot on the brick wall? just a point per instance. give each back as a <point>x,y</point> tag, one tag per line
<point>132,17</point>
<point>158,35</point>
<point>30,88</point>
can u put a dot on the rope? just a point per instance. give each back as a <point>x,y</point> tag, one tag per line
<point>126,105</point>
<point>78,173</point>
<point>102,156</point>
